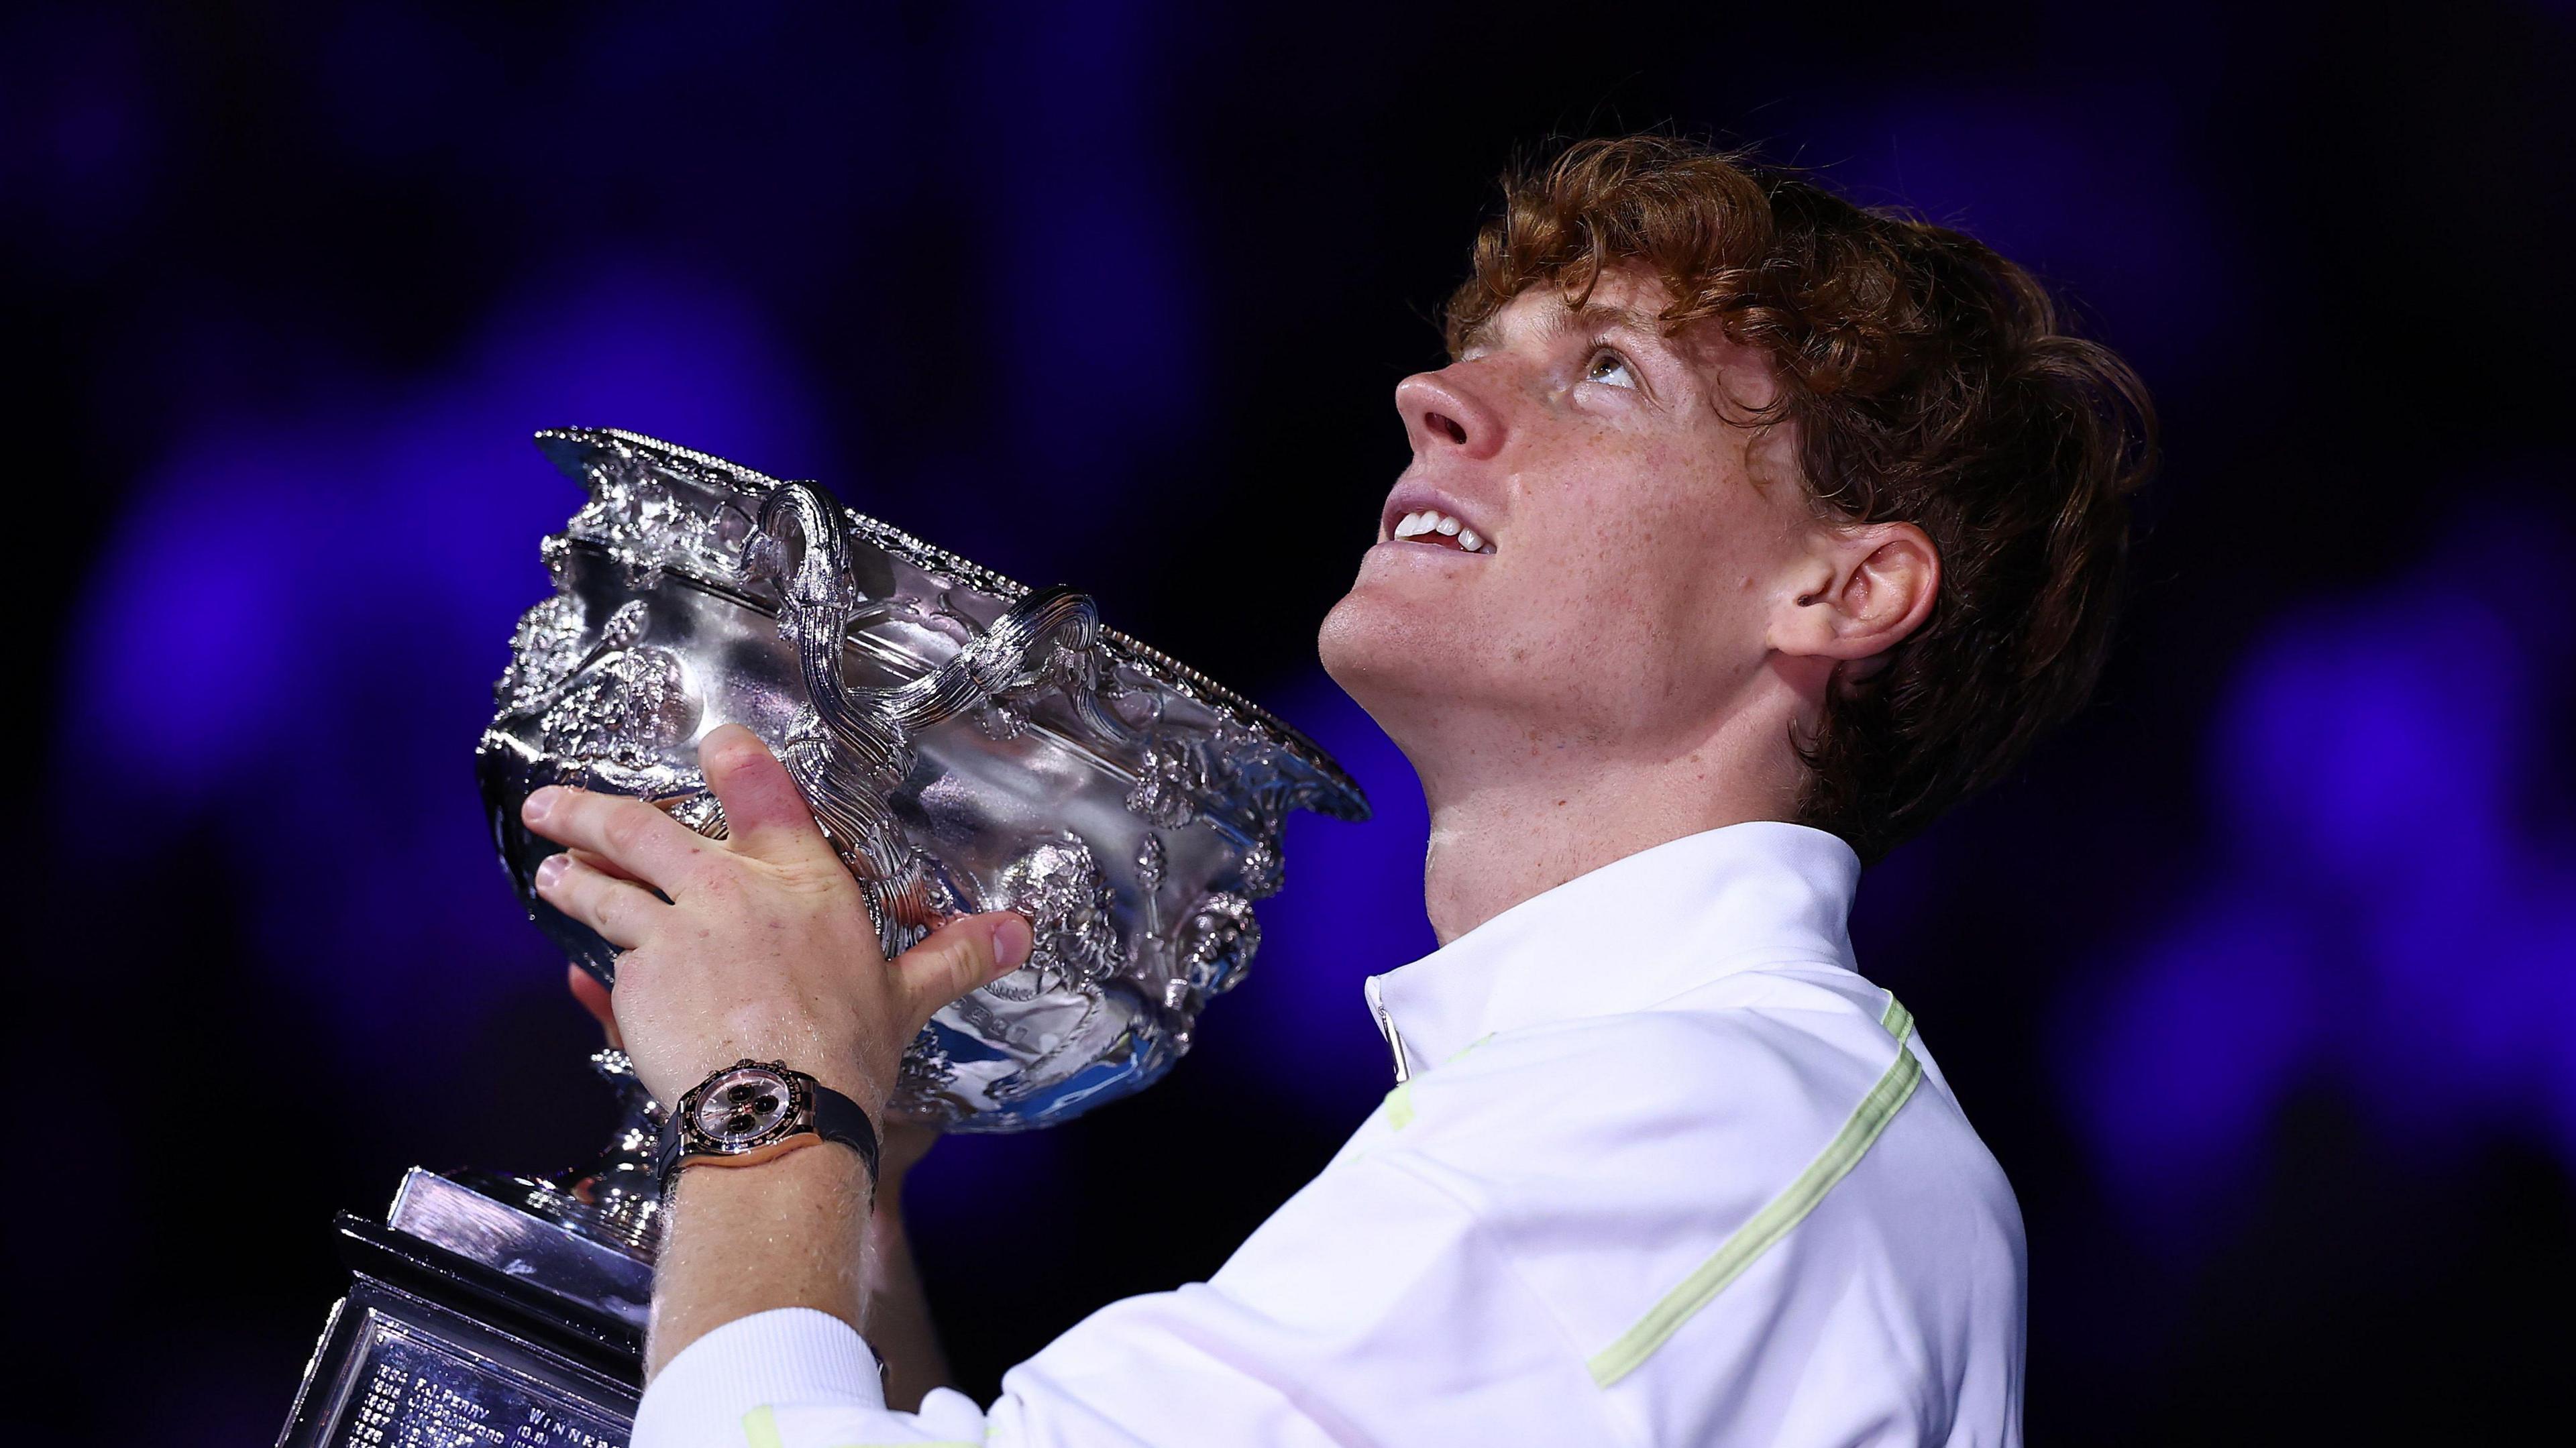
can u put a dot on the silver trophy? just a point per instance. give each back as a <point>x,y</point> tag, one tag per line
<point>966,744</point>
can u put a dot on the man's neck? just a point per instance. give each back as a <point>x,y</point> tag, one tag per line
<point>1519,823</point>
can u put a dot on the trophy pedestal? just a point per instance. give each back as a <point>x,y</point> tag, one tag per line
<point>472,1321</point>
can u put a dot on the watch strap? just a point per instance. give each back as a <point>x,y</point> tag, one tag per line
<point>838,1118</point>
<point>667,1148</point>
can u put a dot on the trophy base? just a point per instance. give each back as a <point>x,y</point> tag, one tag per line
<point>469,1321</point>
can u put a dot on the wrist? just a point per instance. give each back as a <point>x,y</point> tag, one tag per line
<point>820,1174</point>
<point>724,1257</point>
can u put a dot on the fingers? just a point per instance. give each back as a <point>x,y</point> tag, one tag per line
<point>622,911</point>
<point>601,863</point>
<point>636,839</point>
<point>965,953</point>
<point>764,814</point>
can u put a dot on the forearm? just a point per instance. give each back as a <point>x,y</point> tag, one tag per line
<point>788,1232</point>
<point>758,947</point>
<point>897,1321</point>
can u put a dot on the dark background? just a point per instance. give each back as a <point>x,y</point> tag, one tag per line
<point>2259,980</point>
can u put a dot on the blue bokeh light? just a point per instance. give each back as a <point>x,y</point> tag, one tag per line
<point>293,633</point>
<point>2376,913</point>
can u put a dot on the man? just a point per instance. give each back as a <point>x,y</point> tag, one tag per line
<point>1745,533</point>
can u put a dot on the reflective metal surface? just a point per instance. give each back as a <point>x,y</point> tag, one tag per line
<point>614,1203</point>
<point>967,744</point>
<point>526,1241</point>
<point>432,1348</point>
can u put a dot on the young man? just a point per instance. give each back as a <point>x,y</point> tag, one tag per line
<point>1745,533</point>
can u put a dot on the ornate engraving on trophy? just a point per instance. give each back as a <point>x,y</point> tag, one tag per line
<point>926,1067</point>
<point>1262,871</point>
<point>544,651</point>
<point>965,742</point>
<point>648,517</point>
<point>1057,884</point>
<point>630,711</point>
<point>1218,942</point>
<point>1167,784</point>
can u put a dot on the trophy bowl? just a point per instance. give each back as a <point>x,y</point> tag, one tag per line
<point>965,742</point>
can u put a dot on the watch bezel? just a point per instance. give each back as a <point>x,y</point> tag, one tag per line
<point>797,1120</point>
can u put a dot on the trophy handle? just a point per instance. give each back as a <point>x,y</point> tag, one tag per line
<point>1049,639</point>
<point>852,746</point>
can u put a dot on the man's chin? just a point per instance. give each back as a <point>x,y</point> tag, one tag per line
<point>1341,641</point>
<point>1381,648</point>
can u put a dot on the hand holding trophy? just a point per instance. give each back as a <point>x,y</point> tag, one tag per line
<point>953,753</point>
<point>757,945</point>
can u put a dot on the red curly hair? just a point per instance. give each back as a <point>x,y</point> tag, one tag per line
<point>1929,381</point>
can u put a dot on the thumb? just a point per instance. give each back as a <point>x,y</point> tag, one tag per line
<point>970,951</point>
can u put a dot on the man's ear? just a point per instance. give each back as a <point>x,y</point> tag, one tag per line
<point>1862,589</point>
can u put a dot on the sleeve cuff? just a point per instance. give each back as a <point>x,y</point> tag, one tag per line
<point>790,1356</point>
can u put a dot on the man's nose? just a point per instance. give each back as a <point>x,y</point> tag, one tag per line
<point>1442,413</point>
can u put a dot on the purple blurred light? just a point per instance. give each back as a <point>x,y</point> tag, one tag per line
<point>79,137</point>
<point>2356,738</point>
<point>1098,358</point>
<point>2177,1067</point>
<point>2088,187</point>
<point>2376,917</point>
<point>290,640</point>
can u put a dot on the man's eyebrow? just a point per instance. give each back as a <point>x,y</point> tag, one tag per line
<point>1601,317</point>
<point>1562,321</point>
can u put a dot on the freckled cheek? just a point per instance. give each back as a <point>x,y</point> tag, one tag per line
<point>1615,526</point>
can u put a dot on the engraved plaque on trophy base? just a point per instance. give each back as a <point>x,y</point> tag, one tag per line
<point>453,1342</point>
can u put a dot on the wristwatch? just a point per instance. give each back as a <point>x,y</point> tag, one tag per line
<point>753,1110</point>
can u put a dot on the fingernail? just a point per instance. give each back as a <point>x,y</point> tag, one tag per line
<point>540,804</point>
<point>551,868</point>
<point>1012,940</point>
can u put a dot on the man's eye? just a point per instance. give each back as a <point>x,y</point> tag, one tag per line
<point>1609,368</point>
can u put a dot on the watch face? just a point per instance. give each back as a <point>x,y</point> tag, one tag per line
<point>743,1105</point>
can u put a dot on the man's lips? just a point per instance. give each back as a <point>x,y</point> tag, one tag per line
<point>1419,513</point>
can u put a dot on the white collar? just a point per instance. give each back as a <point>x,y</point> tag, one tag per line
<point>1631,934</point>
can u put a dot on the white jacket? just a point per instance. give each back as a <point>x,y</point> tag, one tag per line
<point>1666,1170</point>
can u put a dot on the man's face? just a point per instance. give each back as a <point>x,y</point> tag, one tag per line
<point>1634,543</point>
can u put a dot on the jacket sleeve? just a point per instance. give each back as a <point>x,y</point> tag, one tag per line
<point>1372,1308</point>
